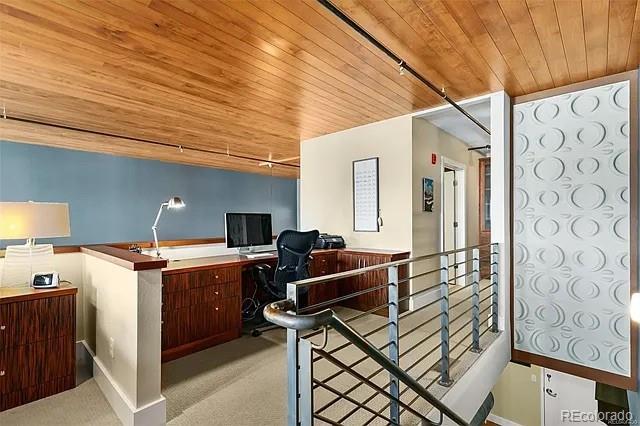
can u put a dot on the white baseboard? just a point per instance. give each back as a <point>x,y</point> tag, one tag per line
<point>500,421</point>
<point>152,414</point>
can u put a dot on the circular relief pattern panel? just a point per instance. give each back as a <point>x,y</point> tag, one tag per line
<point>620,162</point>
<point>545,227</point>
<point>522,143</point>
<point>592,134</point>
<point>549,169</point>
<point>582,351</point>
<point>581,227</point>
<point>584,105</point>
<point>543,285</point>
<point>580,289</point>
<point>545,112</point>
<point>620,227</point>
<point>620,98</point>
<point>548,198</point>
<point>551,256</point>
<point>619,293</point>
<point>590,258</point>
<point>552,140</point>
<point>587,166</point>
<point>588,196</point>
<point>543,342</point>
<point>521,198</point>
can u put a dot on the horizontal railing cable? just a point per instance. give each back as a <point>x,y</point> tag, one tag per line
<point>342,298</point>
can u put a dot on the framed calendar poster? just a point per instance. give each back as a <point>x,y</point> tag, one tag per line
<point>366,207</point>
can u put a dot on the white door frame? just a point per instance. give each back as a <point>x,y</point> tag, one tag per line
<point>461,207</point>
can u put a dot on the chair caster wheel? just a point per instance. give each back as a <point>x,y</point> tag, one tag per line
<point>256,333</point>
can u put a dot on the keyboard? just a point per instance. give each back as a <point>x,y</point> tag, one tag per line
<point>259,255</point>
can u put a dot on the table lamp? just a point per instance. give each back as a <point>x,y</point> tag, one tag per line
<point>172,203</point>
<point>30,220</point>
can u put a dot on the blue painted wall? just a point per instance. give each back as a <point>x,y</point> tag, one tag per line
<point>114,199</point>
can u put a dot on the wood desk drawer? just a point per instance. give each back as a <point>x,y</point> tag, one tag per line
<point>213,293</point>
<point>29,365</point>
<point>213,318</point>
<point>33,321</point>
<point>214,276</point>
<point>175,282</point>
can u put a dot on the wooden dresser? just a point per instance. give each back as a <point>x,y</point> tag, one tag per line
<point>37,343</point>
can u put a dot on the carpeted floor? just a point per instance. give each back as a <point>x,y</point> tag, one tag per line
<point>243,382</point>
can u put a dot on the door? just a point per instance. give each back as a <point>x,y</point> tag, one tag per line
<point>564,394</point>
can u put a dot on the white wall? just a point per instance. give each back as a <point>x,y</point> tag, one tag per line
<point>69,266</point>
<point>326,201</point>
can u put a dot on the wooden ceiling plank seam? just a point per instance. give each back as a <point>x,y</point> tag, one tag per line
<point>596,25</point>
<point>277,81</point>
<point>79,141</point>
<point>572,33</point>
<point>364,51</point>
<point>455,81</point>
<point>633,57</point>
<point>374,26</point>
<point>474,28</point>
<point>347,84</point>
<point>273,65</point>
<point>449,28</point>
<point>621,17</point>
<point>498,28</point>
<point>410,14</point>
<point>332,46</point>
<point>24,33</point>
<point>24,75</point>
<point>170,131</point>
<point>522,27</point>
<point>545,19</point>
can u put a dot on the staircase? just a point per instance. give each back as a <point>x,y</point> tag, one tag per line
<point>389,365</point>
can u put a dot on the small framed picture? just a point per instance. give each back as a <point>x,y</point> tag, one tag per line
<point>427,192</point>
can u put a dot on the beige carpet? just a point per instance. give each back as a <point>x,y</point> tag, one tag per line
<point>243,382</point>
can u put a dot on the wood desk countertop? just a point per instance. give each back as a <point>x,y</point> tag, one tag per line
<point>201,263</point>
<point>19,294</point>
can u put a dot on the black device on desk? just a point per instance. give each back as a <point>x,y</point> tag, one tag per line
<point>326,241</point>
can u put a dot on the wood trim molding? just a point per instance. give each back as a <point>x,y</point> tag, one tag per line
<point>125,258</point>
<point>575,369</point>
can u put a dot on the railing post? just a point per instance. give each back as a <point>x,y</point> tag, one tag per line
<point>475,301</point>
<point>394,349</point>
<point>293,415</point>
<point>445,379</point>
<point>495,256</point>
<point>305,382</point>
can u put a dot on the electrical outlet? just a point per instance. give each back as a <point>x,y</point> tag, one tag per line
<point>112,349</point>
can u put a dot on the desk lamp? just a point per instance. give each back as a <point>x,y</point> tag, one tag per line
<point>171,204</point>
<point>30,220</point>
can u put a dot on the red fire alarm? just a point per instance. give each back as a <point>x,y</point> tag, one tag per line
<point>434,158</point>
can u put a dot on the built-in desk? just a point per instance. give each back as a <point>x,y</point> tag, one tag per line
<point>202,297</point>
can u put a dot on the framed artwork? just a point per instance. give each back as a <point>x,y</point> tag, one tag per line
<point>366,207</point>
<point>427,193</point>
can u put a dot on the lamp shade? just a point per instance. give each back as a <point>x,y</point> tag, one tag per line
<point>20,220</point>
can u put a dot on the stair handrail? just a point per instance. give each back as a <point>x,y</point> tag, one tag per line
<point>280,314</point>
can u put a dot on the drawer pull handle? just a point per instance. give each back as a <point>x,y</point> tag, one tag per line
<point>216,292</point>
<point>217,308</point>
<point>216,277</point>
<point>2,373</point>
<point>3,327</point>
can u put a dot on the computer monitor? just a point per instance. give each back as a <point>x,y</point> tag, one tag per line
<point>248,229</point>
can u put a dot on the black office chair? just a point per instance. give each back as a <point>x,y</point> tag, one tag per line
<point>294,252</point>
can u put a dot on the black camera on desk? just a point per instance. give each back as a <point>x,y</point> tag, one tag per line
<point>326,241</point>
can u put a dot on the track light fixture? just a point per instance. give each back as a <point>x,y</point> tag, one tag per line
<point>401,68</point>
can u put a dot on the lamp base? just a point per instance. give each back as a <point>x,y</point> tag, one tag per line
<point>21,261</point>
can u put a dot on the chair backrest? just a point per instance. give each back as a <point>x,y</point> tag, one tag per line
<point>294,249</point>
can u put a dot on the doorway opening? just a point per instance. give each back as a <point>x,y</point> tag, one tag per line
<point>453,214</point>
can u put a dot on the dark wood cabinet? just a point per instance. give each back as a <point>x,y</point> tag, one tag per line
<point>200,309</point>
<point>323,263</point>
<point>37,344</point>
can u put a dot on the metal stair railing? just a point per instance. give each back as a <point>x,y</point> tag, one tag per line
<point>303,353</point>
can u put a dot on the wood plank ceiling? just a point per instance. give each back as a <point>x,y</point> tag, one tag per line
<point>254,77</point>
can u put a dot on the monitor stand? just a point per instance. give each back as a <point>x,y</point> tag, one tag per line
<point>255,252</point>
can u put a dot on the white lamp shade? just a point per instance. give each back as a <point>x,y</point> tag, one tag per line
<point>21,220</point>
<point>635,307</point>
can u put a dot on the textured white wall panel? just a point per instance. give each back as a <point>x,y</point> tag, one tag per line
<point>571,228</point>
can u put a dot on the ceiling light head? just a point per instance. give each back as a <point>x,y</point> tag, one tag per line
<point>175,203</point>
